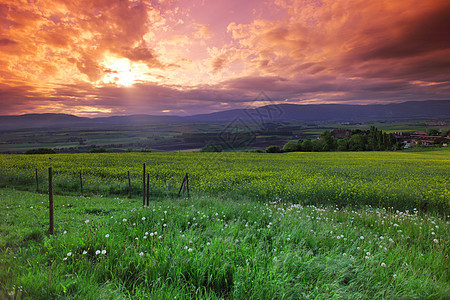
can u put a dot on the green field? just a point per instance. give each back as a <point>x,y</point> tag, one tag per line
<point>216,248</point>
<point>348,225</point>
<point>401,180</point>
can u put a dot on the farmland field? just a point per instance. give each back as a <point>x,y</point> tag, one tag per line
<point>401,180</point>
<point>257,226</point>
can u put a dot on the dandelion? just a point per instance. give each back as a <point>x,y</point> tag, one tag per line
<point>106,235</point>
<point>383,265</point>
<point>103,252</point>
<point>97,252</point>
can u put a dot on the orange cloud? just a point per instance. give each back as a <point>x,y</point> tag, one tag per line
<point>119,56</point>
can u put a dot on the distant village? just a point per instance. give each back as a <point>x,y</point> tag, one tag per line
<point>409,138</point>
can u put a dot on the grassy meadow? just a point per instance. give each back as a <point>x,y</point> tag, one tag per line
<point>370,225</point>
<point>212,248</point>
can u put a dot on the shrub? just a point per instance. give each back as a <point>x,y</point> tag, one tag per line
<point>41,151</point>
<point>273,149</point>
<point>212,148</point>
<point>290,147</point>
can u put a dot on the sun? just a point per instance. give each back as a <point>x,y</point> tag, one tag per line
<point>122,72</point>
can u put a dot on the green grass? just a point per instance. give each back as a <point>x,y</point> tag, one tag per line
<point>211,248</point>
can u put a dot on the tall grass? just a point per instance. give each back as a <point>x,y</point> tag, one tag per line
<point>213,248</point>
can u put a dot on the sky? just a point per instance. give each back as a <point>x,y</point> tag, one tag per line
<point>168,57</point>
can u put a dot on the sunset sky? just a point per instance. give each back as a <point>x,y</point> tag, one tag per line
<point>117,57</point>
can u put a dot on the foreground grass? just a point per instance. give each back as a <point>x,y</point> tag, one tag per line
<point>110,248</point>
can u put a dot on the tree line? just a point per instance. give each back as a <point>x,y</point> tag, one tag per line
<point>358,140</point>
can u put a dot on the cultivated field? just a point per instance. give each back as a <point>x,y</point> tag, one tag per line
<point>257,226</point>
<point>402,180</point>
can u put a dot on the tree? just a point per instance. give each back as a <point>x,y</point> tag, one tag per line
<point>273,149</point>
<point>433,132</point>
<point>342,144</point>
<point>290,147</point>
<point>212,148</point>
<point>356,143</point>
<point>299,145</point>
<point>41,151</point>
<point>307,145</point>
<point>98,150</point>
<point>328,143</point>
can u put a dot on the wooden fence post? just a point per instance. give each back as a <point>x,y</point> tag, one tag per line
<point>148,189</point>
<point>129,185</point>
<point>187,184</point>
<point>81,184</point>
<point>143,186</point>
<point>184,185</point>
<point>50,200</point>
<point>37,181</point>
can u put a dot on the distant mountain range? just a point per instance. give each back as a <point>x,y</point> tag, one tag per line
<point>281,112</point>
